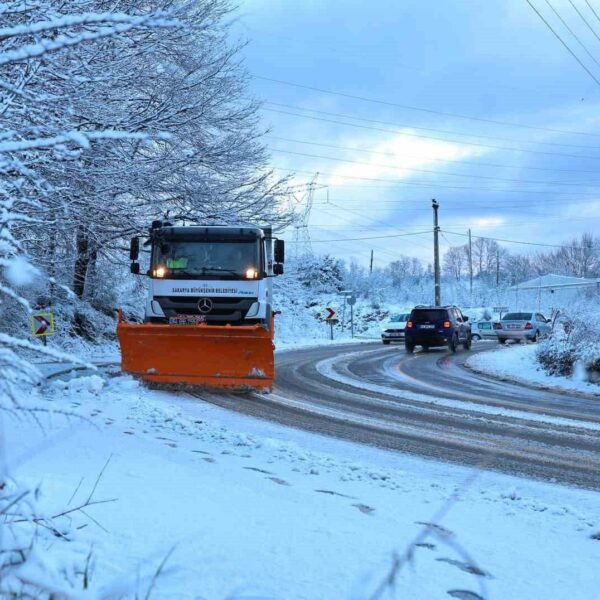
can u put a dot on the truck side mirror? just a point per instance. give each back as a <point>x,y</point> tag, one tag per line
<point>277,269</point>
<point>135,268</point>
<point>279,253</point>
<point>134,248</point>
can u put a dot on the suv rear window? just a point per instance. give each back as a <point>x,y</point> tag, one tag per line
<point>424,316</point>
<point>517,317</point>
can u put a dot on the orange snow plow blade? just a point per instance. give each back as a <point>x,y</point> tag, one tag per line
<point>212,356</point>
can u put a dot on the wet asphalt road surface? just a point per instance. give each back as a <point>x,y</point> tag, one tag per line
<point>429,404</point>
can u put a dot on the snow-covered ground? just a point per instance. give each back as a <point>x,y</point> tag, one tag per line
<point>518,362</point>
<point>248,509</point>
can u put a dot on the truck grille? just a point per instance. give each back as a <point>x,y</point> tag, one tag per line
<point>224,310</point>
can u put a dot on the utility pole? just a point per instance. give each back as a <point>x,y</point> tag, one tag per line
<point>371,264</point>
<point>470,269</point>
<point>436,253</point>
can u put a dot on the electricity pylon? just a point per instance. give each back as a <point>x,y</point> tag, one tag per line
<point>302,245</point>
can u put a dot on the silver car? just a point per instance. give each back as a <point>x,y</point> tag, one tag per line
<point>522,326</point>
<point>483,330</point>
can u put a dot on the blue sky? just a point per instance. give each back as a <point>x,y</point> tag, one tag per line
<point>491,60</point>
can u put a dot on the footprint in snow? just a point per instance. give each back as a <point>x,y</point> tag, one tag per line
<point>258,470</point>
<point>279,480</point>
<point>441,531</point>
<point>463,566</point>
<point>129,432</point>
<point>334,493</point>
<point>426,545</point>
<point>464,595</point>
<point>200,452</point>
<point>171,444</point>
<point>208,459</point>
<point>364,508</point>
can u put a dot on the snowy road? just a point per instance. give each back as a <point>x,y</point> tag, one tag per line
<point>429,405</point>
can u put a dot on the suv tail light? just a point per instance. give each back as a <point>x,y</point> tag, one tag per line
<point>528,326</point>
<point>409,324</point>
<point>497,325</point>
<point>447,324</point>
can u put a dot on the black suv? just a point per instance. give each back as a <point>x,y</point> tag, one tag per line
<point>437,326</point>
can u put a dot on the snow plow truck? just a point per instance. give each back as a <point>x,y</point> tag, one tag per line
<point>208,317</point>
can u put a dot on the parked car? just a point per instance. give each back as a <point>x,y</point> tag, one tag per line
<point>483,330</point>
<point>430,326</point>
<point>393,330</point>
<point>522,326</point>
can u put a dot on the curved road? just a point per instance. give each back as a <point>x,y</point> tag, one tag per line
<point>429,404</point>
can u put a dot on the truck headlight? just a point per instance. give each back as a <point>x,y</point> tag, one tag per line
<point>251,273</point>
<point>160,272</point>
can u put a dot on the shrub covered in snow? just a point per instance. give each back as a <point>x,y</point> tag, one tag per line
<point>574,346</point>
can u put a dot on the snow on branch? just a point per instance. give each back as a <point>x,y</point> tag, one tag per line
<point>71,21</point>
<point>80,138</point>
<point>36,50</point>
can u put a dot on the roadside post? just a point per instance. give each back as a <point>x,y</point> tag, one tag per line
<point>351,300</point>
<point>42,325</point>
<point>331,319</point>
<point>500,309</point>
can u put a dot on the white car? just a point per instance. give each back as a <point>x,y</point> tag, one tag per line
<point>393,330</point>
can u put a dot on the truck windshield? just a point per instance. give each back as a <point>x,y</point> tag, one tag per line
<point>207,259</point>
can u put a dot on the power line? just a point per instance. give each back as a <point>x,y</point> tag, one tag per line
<point>373,221</point>
<point>417,170</point>
<point>396,167</point>
<point>467,205</point>
<point>430,137</point>
<point>397,183</point>
<point>592,9</point>
<point>584,20</point>
<point>375,237</point>
<point>515,210</point>
<point>572,33</point>
<point>539,14</point>
<point>483,237</point>
<point>395,124</point>
<point>430,158</point>
<point>425,110</point>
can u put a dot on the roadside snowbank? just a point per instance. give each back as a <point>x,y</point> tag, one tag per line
<point>250,508</point>
<point>519,363</point>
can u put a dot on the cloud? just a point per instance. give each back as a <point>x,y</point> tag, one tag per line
<point>394,157</point>
<point>487,222</point>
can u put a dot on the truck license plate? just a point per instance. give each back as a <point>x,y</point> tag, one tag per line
<point>186,319</point>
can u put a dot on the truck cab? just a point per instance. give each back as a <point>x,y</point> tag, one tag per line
<point>218,275</point>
